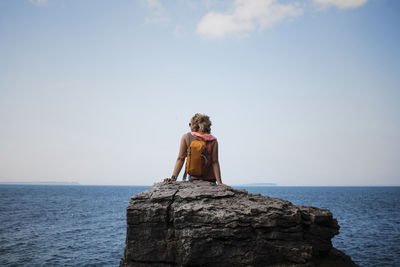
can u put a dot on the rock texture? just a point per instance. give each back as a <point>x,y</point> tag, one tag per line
<point>202,224</point>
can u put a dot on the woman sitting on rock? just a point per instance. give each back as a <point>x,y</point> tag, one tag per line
<point>201,150</point>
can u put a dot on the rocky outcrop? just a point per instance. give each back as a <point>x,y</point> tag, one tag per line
<point>202,224</point>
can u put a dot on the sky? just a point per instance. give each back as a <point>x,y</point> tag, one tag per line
<point>300,93</point>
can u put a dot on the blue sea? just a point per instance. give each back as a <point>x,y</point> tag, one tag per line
<point>56,225</point>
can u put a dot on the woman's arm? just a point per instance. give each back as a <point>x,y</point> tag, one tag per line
<point>215,164</point>
<point>181,157</point>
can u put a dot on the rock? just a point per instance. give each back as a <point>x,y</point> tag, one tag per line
<point>201,224</point>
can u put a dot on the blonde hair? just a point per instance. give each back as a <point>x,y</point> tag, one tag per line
<point>201,123</point>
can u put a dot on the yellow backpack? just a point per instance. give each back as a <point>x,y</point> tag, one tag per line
<point>197,161</point>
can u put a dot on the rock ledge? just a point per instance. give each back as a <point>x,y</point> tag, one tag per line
<point>202,224</point>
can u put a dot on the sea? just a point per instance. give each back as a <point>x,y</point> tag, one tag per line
<point>60,225</point>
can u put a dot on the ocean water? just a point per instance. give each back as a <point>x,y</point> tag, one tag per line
<point>46,225</point>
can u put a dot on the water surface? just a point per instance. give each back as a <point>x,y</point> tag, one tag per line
<point>48,225</point>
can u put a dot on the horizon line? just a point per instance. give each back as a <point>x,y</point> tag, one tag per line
<point>150,185</point>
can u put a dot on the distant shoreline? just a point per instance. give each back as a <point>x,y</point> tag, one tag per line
<point>259,184</point>
<point>42,183</point>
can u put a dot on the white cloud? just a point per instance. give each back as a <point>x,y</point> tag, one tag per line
<point>246,16</point>
<point>342,4</point>
<point>38,2</point>
<point>157,11</point>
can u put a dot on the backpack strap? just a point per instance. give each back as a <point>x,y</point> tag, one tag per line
<point>191,137</point>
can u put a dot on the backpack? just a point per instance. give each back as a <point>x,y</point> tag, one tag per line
<point>198,161</point>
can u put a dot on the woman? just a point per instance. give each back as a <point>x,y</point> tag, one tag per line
<point>200,127</point>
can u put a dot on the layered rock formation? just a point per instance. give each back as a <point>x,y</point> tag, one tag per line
<point>202,224</point>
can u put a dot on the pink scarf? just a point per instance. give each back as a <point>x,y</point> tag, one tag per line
<point>203,136</point>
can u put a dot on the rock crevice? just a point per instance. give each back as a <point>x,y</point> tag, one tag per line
<point>202,224</point>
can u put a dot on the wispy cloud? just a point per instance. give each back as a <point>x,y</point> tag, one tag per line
<point>38,2</point>
<point>342,4</point>
<point>157,11</point>
<point>178,31</point>
<point>246,16</point>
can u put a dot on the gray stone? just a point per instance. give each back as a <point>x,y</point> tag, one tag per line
<point>202,224</point>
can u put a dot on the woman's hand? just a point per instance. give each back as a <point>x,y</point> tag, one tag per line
<point>227,186</point>
<point>169,179</point>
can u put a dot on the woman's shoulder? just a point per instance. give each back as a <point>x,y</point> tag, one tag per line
<point>186,137</point>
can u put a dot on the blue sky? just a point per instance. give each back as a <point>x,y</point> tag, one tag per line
<point>299,92</point>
